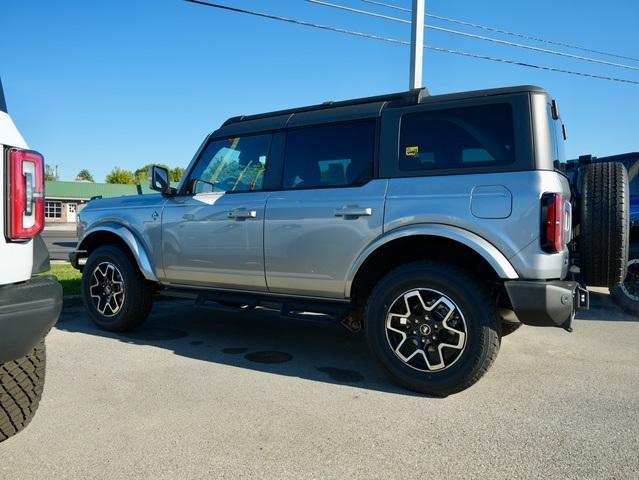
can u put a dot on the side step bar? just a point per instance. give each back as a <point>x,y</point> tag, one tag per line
<point>310,310</point>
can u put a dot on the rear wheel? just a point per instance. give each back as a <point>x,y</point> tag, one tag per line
<point>116,295</point>
<point>21,385</point>
<point>626,295</point>
<point>433,327</point>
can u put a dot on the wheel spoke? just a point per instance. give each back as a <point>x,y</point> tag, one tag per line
<point>413,294</point>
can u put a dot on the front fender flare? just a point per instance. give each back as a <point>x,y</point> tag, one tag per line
<point>135,245</point>
<point>481,246</point>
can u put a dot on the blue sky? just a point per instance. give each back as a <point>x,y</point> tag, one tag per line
<point>126,83</point>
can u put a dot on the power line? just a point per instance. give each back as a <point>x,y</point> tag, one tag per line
<point>505,32</point>
<point>475,36</point>
<point>404,42</point>
<point>298,22</point>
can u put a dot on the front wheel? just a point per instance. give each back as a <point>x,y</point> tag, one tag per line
<point>433,327</point>
<point>115,294</point>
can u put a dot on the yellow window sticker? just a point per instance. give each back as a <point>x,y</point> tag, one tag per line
<point>412,151</point>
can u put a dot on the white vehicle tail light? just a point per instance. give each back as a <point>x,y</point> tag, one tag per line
<point>25,202</point>
<point>556,222</point>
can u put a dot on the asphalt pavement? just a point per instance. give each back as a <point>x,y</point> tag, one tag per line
<point>60,242</point>
<point>201,394</point>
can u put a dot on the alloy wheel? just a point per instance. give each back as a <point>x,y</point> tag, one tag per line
<point>630,285</point>
<point>107,289</point>
<point>426,330</point>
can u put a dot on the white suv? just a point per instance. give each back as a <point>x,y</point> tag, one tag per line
<point>29,305</point>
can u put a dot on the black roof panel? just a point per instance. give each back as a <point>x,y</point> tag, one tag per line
<point>349,109</point>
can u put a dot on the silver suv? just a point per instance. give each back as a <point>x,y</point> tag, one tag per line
<point>437,224</point>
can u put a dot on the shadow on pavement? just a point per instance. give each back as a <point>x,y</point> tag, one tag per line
<point>258,340</point>
<point>603,308</point>
<point>261,340</point>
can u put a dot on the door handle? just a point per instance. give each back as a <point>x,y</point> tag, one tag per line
<point>354,211</point>
<point>240,213</point>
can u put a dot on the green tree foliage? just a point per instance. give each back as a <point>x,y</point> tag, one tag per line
<point>119,175</point>
<point>142,174</point>
<point>176,174</point>
<point>49,173</point>
<point>84,176</point>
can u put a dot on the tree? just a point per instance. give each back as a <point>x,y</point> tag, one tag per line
<point>50,173</point>
<point>142,174</point>
<point>84,176</point>
<point>176,174</point>
<point>119,175</point>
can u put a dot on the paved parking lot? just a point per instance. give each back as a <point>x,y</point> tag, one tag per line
<point>192,395</point>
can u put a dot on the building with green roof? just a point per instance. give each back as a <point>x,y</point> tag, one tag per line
<point>63,200</point>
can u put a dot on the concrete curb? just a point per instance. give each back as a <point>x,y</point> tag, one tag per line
<point>61,227</point>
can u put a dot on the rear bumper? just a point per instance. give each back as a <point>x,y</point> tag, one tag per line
<point>28,310</point>
<point>546,303</point>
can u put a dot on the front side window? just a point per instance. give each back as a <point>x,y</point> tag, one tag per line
<point>53,210</point>
<point>480,136</point>
<point>231,165</point>
<point>336,155</point>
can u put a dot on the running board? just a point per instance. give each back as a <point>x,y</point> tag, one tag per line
<point>316,311</point>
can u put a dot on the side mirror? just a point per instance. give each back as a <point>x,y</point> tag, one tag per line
<point>160,180</point>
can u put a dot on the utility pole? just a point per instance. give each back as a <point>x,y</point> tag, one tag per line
<point>417,44</point>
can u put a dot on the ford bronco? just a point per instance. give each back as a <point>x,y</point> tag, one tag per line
<point>29,305</point>
<point>436,224</point>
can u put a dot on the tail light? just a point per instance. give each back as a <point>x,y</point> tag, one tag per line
<point>556,222</point>
<point>25,204</point>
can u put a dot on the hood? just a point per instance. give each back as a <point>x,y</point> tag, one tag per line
<point>125,201</point>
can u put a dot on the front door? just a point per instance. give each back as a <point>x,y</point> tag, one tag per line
<point>72,210</point>
<point>212,235</point>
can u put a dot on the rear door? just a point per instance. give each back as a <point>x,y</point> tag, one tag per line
<point>213,234</point>
<point>329,209</point>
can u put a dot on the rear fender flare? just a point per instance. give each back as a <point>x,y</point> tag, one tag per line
<point>497,260</point>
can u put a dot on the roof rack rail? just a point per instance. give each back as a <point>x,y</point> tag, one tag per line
<point>410,97</point>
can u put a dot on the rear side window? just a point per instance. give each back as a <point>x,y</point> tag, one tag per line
<point>336,155</point>
<point>479,136</point>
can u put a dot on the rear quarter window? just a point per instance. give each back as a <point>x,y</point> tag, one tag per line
<point>457,138</point>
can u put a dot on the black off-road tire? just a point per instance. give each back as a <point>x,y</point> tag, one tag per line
<point>21,385</point>
<point>604,229</point>
<point>138,292</point>
<point>472,298</point>
<point>626,295</point>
